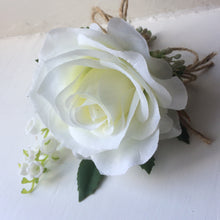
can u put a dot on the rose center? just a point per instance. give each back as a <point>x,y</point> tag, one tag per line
<point>101,101</point>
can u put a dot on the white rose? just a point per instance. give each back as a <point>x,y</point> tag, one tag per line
<point>104,97</point>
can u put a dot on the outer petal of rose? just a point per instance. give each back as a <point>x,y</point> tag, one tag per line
<point>159,68</point>
<point>67,38</point>
<point>166,124</point>
<point>175,130</point>
<point>133,41</point>
<point>130,153</point>
<point>127,36</point>
<point>59,41</point>
<point>95,27</point>
<point>62,40</point>
<point>177,91</point>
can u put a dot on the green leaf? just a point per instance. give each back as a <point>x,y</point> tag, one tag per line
<point>148,165</point>
<point>184,136</point>
<point>88,179</point>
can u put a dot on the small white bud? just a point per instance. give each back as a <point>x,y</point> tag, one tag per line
<point>24,167</point>
<point>33,126</point>
<point>55,155</point>
<point>49,145</point>
<point>35,169</point>
<point>31,156</point>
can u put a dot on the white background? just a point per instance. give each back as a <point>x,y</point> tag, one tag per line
<point>184,184</point>
<point>31,16</point>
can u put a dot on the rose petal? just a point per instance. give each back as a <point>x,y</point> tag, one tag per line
<point>177,91</point>
<point>126,36</point>
<point>159,68</point>
<point>130,153</point>
<point>67,38</point>
<point>95,27</point>
<point>166,124</point>
<point>175,130</point>
<point>140,130</point>
<point>144,105</point>
<point>67,42</point>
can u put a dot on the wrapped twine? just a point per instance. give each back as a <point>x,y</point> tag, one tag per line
<point>189,73</point>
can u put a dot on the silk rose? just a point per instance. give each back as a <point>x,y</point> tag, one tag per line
<point>104,97</point>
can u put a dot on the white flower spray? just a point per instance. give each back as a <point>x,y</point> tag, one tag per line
<point>36,158</point>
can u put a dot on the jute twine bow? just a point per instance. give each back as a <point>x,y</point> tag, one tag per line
<point>188,74</point>
<point>198,65</point>
<point>106,17</point>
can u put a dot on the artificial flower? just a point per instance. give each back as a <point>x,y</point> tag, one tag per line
<point>30,155</point>
<point>49,145</point>
<point>23,169</point>
<point>35,169</point>
<point>103,96</point>
<point>33,126</point>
